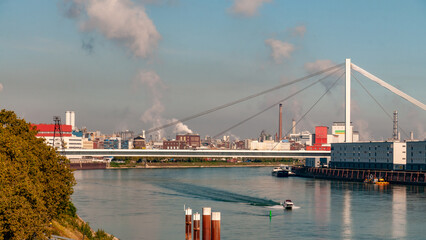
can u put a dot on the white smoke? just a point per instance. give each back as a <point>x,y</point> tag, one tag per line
<point>180,128</point>
<point>154,86</point>
<point>279,50</point>
<point>247,8</point>
<point>118,20</point>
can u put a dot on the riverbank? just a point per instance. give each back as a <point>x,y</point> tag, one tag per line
<point>212,164</point>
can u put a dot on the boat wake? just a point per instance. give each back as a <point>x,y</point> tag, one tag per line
<point>281,207</point>
<point>215,194</point>
<point>276,207</point>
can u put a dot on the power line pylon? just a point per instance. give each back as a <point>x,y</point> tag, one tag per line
<point>58,129</point>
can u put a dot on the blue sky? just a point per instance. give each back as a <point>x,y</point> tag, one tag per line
<point>152,61</point>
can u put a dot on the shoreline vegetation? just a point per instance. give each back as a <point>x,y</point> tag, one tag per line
<point>72,226</point>
<point>127,163</point>
<point>37,184</point>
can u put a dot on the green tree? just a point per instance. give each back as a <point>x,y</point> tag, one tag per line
<point>36,182</point>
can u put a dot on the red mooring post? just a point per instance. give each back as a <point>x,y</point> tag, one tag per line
<point>197,226</point>
<point>188,229</point>
<point>207,223</point>
<point>215,225</point>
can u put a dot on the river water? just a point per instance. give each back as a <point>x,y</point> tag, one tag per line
<point>149,204</point>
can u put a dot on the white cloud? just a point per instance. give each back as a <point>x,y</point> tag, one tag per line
<point>299,31</point>
<point>280,50</point>
<point>1,87</point>
<point>118,20</point>
<point>247,8</point>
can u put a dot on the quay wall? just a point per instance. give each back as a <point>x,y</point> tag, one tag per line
<point>395,177</point>
<point>88,165</point>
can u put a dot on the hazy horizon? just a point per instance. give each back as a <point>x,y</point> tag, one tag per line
<point>137,64</point>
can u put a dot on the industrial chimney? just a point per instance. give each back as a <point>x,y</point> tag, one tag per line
<point>294,127</point>
<point>395,125</point>
<point>280,123</point>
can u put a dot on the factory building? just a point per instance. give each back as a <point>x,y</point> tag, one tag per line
<point>174,144</point>
<point>304,138</point>
<point>338,133</point>
<point>320,143</point>
<point>139,143</point>
<point>269,145</point>
<point>191,140</point>
<point>416,155</point>
<point>369,155</point>
<point>47,131</point>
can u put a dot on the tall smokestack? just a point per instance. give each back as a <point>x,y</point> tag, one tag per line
<point>395,125</point>
<point>294,127</point>
<point>280,124</point>
<point>411,136</point>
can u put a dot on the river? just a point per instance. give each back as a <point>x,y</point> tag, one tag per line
<point>149,204</point>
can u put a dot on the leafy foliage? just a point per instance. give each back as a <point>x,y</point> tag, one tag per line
<point>36,182</point>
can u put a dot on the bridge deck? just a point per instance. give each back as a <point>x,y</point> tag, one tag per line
<point>193,153</point>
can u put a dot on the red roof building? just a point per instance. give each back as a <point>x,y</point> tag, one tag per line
<point>47,130</point>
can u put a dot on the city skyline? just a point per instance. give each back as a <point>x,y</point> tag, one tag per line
<point>122,64</point>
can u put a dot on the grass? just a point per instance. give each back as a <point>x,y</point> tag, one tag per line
<point>72,226</point>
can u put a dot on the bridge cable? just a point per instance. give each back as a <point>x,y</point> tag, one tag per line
<point>319,99</point>
<point>242,99</point>
<point>282,100</point>
<point>380,105</point>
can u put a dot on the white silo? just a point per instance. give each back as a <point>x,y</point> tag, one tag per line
<point>72,120</point>
<point>68,117</point>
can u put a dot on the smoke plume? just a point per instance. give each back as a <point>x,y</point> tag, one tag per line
<point>180,128</point>
<point>154,86</point>
<point>118,20</point>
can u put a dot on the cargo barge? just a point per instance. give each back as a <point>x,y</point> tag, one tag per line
<point>359,175</point>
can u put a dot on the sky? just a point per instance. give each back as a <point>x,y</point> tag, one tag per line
<point>138,64</point>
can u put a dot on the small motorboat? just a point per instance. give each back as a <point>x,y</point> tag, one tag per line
<point>288,204</point>
<point>381,182</point>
